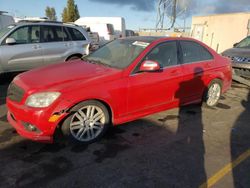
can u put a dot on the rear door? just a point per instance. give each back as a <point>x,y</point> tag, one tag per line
<point>79,44</point>
<point>197,62</point>
<point>155,89</point>
<point>26,53</point>
<point>55,44</point>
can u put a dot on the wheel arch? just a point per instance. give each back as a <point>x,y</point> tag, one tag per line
<point>105,103</point>
<point>74,55</point>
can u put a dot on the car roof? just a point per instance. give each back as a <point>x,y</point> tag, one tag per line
<point>150,39</point>
<point>52,23</point>
<point>147,39</point>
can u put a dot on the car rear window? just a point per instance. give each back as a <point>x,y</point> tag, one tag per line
<point>194,52</point>
<point>75,34</point>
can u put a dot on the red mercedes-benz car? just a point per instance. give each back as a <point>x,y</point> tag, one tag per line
<point>124,80</point>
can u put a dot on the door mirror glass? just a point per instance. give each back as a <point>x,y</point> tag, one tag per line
<point>10,41</point>
<point>149,66</point>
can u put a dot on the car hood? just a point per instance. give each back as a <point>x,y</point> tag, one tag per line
<point>65,75</point>
<point>237,52</point>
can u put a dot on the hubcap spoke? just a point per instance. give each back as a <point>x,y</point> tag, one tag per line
<point>98,116</point>
<point>76,123</point>
<point>90,111</point>
<point>77,127</point>
<point>83,133</point>
<point>96,127</point>
<point>79,132</point>
<point>92,133</point>
<point>79,117</point>
<point>82,114</point>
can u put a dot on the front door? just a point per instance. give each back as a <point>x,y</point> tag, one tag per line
<point>26,53</point>
<point>154,89</point>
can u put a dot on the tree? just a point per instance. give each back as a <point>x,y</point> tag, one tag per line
<point>70,13</point>
<point>77,15</point>
<point>64,15</point>
<point>50,12</point>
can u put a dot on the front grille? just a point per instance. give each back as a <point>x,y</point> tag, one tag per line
<point>240,59</point>
<point>15,93</point>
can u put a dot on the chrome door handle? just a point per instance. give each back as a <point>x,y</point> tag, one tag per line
<point>36,47</point>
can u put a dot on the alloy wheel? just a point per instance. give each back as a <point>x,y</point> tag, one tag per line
<point>87,123</point>
<point>214,93</point>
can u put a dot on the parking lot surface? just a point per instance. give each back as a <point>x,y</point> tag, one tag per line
<point>188,147</point>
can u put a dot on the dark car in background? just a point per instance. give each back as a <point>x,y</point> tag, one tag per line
<point>240,56</point>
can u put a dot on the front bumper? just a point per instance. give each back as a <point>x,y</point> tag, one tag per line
<point>241,65</point>
<point>20,115</point>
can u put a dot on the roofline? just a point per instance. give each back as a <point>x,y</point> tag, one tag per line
<point>23,22</point>
<point>222,14</point>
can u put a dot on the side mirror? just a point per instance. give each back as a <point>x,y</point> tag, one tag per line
<point>235,44</point>
<point>149,66</point>
<point>10,41</point>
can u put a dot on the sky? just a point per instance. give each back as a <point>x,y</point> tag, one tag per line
<point>137,13</point>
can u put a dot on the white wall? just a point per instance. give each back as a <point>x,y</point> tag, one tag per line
<point>220,31</point>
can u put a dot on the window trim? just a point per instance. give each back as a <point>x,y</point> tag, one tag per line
<point>181,53</point>
<point>134,72</point>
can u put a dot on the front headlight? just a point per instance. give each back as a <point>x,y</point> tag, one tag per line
<point>43,99</point>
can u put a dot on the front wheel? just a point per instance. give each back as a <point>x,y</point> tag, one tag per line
<point>213,93</point>
<point>87,123</point>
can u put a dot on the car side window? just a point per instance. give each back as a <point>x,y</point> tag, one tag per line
<point>52,34</point>
<point>48,34</point>
<point>35,34</point>
<point>21,35</point>
<point>66,36</point>
<point>194,52</point>
<point>75,34</point>
<point>165,54</point>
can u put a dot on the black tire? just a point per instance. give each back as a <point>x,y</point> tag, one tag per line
<point>207,98</point>
<point>67,126</point>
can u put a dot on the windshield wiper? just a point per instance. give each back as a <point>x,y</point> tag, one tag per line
<point>95,61</point>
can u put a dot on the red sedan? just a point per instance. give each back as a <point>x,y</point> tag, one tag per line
<point>122,81</point>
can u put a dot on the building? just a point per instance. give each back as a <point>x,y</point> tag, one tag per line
<point>221,31</point>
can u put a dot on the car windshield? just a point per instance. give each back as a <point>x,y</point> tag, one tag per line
<point>245,43</point>
<point>5,30</point>
<point>118,54</point>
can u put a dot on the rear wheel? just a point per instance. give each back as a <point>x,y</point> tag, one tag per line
<point>73,58</point>
<point>213,93</point>
<point>87,123</point>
